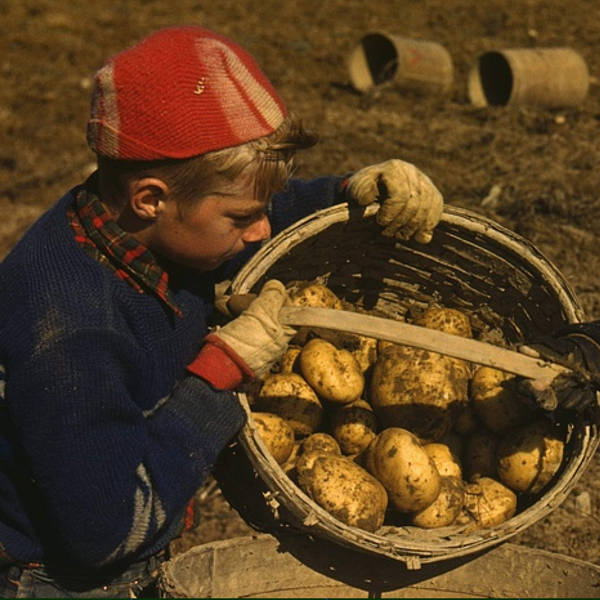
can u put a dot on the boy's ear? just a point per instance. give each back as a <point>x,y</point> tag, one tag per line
<point>146,196</point>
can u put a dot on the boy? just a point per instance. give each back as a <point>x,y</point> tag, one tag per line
<point>117,399</point>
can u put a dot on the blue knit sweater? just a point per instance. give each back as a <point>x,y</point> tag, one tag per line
<point>104,438</point>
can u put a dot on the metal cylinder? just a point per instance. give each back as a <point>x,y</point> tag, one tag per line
<point>545,77</point>
<point>414,64</point>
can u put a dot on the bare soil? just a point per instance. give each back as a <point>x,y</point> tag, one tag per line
<point>543,164</point>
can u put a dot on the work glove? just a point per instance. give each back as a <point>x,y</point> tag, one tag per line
<point>410,204</point>
<point>257,336</point>
<point>230,305</point>
<point>576,347</point>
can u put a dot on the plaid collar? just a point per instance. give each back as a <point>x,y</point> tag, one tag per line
<point>101,237</point>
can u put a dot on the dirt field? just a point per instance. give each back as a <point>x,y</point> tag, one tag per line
<point>544,163</point>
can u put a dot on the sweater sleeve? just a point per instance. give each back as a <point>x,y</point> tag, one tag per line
<point>114,477</point>
<point>301,198</point>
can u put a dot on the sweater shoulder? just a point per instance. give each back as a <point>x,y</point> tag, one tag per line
<point>302,198</point>
<point>49,239</point>
<point>48,272</point>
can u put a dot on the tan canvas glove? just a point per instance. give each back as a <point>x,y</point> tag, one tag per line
<point>222,295</point>
<point>410,204</point>
<point>257,336</point>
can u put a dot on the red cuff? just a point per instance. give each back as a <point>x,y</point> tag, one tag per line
<point>220,365</point>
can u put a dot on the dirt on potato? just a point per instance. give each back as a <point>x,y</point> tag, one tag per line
<point>534,170</point>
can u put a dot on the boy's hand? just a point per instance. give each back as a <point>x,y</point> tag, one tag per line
<point>577,347</point>
<point>257,336</point>
<point>410,204</point>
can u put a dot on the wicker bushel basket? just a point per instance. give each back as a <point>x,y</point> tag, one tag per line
<point>509,289</point>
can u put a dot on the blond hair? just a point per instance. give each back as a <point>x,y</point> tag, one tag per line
<point>266,161</point>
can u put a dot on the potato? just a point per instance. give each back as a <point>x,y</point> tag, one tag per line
<point>448,320</point>
<point>479,456</point>
<point>529,456</point>
<point>276,433</point>
<point>445,508</point>
<point>314,294</point>
<point>495,400</point>
<point>488,502</point>
<point>397,459</point>
<point>447,463</point>
<point>416,390</point>
<point>455,322</point>
<point>364,349</point>
<point>316,444</point>
<point>334,374</point>
<point>320,442</point>
<point>289,360</point>
<point>290,464</point>
<point>289,396</point>
<point>465,519</point>
<point>354,426</point>
<point>365,352</point>
<point>305,462</point>
<point>383,345</point>
<point>345,490</point>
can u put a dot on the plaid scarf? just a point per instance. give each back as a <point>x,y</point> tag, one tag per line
<point>102,239</point>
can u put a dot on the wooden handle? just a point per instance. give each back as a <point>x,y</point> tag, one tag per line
<point>422,337</point>
<point>399,332</point>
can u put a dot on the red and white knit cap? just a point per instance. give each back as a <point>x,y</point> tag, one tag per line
<point>180,92</point>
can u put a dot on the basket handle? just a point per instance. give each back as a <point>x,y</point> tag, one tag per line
<point>425,338</point>
<point>520,363</point>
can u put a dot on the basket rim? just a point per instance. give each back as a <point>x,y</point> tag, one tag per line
<point>320,220</point>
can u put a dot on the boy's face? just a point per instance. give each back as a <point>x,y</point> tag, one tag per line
<point>212,230</point>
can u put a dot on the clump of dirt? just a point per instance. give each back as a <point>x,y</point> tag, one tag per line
<point>532,169</point>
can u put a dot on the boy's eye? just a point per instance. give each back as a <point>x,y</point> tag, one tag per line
<point>243,220</point>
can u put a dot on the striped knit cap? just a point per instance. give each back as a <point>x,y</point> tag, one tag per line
<point>180,92</point>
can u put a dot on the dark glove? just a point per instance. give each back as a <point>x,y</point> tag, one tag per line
<point>577,347</point>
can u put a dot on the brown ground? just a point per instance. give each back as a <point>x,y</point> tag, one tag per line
<point>545,162</point>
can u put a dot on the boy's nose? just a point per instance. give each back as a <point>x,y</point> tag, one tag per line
<point>258,231</point>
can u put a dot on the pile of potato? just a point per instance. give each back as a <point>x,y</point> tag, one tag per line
<point>376,432</point>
